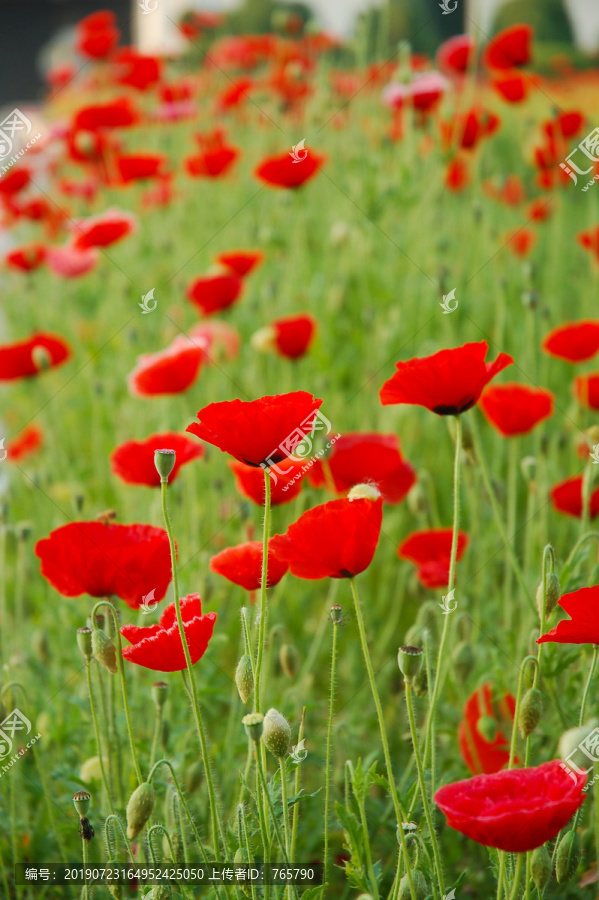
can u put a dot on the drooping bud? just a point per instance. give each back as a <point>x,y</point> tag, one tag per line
<point>567,857</point>
<point>277,733</point>
<point>254,725</point>
<point>421,890</point>
<point>159,693</point>
<point>244,677</point>
<point>463,660</point>
<point>164,460</point>
<point>289,659</point>
<point>409,660</point>
<point>417,500</point>
<point>531,710</point>
<point>241,857</point>
<point>487,728</point>
<point>139,809</point>
<point>364,492</point>
<point>81,802</point>
<point>553,595</point>
<point>541,867</point>
<point>104,650</point>
<point>84,639</point>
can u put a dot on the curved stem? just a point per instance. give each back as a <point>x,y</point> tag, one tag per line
<point>588,684</point>
<point>327,787</point>
<point>97,733</point>
<point>262,630</point>
<point>590,535</point>
<point>182,801</point>
<point>114,820</point>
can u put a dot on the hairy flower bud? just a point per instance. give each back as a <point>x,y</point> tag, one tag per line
<point>277,733</point>
<point>244,677</point>
<point>553,595</point>
<point>567,857</point>
<point>104,650</point>
<point>531,710</point>
<point>421,890</point>
<point>541,867</point>
<point>289,659</point>
<point>139,809</point>
<point>193,776</point>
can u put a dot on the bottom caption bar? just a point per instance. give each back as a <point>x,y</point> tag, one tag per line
<point>223,873</point>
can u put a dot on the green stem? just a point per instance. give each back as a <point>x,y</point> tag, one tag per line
<point>97,733</point>
<point>280,839</point>
<point>359,798</point>
<point>298,773</point>
<point>512,494</point>
<point>262,630</point>
<point>327,788</point>
<point>587,480</point>
<point>517,874</point>
<point>157,731</point>
<point>114,820</point>
<point>399,815</point>
<point>285,806</point>
<point>85,893</point>
<point>588,684</point>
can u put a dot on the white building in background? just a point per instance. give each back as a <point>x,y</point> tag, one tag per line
<point>157,31</point>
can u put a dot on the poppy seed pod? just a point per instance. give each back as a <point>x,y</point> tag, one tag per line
<point>421,890</point>
<point>364,492</point>
<point>336,614</point>
<point>541,867</point>
<point>531,710</point>
<point>409,660</point>
<point>567,857</point>
<point>164,460</point>
<point>104,650</point>
<point>289,659</point>
<point>81,802</point>
<point>277,733</point>
<point>244,677</point>
<point>159,693</point>
<point>254,726</point>
<point>84,640</point>
<point>139,809</point>
<point>553,595</point>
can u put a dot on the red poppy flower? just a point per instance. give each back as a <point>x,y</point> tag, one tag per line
<point>235,94</point>
<point>583,625</point>
<point>574,341</point>
<point>127,561</point>
<point>447,383</point>
<point>512,87</point>
<point>357,458</point>
<point>456,175</point>
<point>119,113</point>
<point>470,128</point>
<point>266,430</point>
<point>589,240</point>
<point>430,551</point>
<point>27,258</point>
<point>159,647</point>
<point>215,157</point>
<point>104,229</point>
<point>97,34</point>
<point>218,340</point>
<point>243,565</point>
<point>586,389</point>
<point>539,210</point>
<point>25,443</point>
<point>290,337</point>
<point>136,70</point>
<point>169,371</point>
<point>285,171</point>
<point>512,192</point>
<point>480,755</point>
<point>14,181</point>
<point>335,540</point>
<point>147,165</point>
<point>515,408</point>
<point>509,48</point>
<point>249,481</point>
<point>521,241</point>
<point>133,461</point>
<point>70,261</point>
<point>515,810</point>
<point>30,357</point>
<point>454,55</point>
<point>242,262</point>
<point>566,497</point>
<point>211,293</point>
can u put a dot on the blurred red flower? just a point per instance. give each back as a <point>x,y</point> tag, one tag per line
<point>218,340</point>
<point>25,443</point>
<point>127,561</point>
<point>521,241</point>
<point>515,810</point>
<point>243,565</point>
<point>356,458</point>
<point>135,69</point>
<point>71,261</point>
<point>241,262</point>
<point>479,754</point>
<point>249,481</point>
<point>290,336</point>
<point>133,461</point>
<point>566,497</point>
<point>539,209</point>
<point>513,87</point>
<point>455,55</point>
<point>285,171</point>
<point>252,431</point>
<point>26,258</point>
<point>430,552</point>
<point>169,371</point>
<point>589,240</point>
<point>335,540</point>
<point>447,383</point>
<point>118,113</point>
<point>516,408</point>
<point>509,48</point>
<point>215,157</point>
<point>159,647</point>
<point>14,181</point>
<point>213,293</point>
<point>456,175</point>
<point>147,165</point>
<point>32,356</point>
<point>104,229</point>
<point>574,341</point>
<point>583,625</point>
<point>96,36</point>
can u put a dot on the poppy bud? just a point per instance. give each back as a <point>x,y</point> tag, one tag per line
<point>244,677</point>
<point>463,660</point>
<point>541,867</point>
<point>159,693</point>
<point>487,728</point>
<point>81,802</point>
<point>164,460</point>
<point>116,890</point>
<point>553,595</point>
<point>336,614</point>
<point>567,857</point>
<point>241,857</point>
<point>289,659</point>
<point>104,650</point>
<point>409,660</point>
<point>254,725</point>
<point>41,358</point>
<point>277,733</point>
<point>421,890</point>
<point>531,710</point>
<point>364,492</point>
<point>84,639</point>
<point>139,809</point>
<point>193,776</point>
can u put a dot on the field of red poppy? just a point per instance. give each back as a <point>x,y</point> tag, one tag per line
<point>298,574</point>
